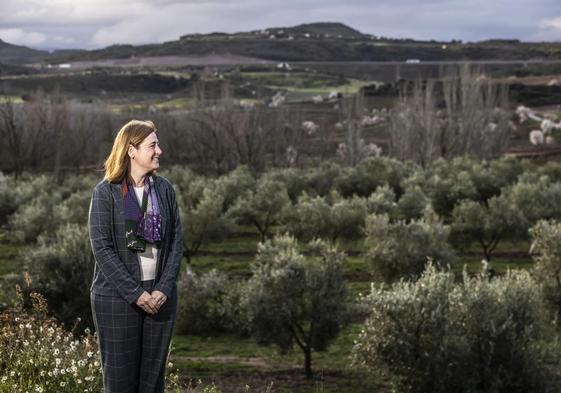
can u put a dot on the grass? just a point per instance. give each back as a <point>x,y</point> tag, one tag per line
<point>221,358</point>
<point>233,362</point>
<point>13,99</point>
<point>230,265</point>
<point>177,103</point>
<point>9,258</point>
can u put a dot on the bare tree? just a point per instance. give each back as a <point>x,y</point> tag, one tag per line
<point>12,131</point>
<point>354,149</point>
<point>464,114</point>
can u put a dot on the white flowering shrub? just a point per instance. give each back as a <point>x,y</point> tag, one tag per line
<point>309,127</point>
<point>536,137</point>
<point>400,249</point>
<point>38,355</point>
<point>434,335</point>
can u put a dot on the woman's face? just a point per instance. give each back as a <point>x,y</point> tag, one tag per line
<point>147,156</point>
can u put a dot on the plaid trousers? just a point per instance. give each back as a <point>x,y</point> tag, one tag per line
<point>133,344</point>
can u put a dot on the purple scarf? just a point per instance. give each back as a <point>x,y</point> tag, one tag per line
<point>142,218</point>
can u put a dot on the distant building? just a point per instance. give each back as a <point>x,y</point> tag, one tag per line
<point>412,61</point>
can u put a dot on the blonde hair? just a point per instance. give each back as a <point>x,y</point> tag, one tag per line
<point>117,164</point>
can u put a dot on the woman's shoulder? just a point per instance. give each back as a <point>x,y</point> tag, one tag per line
<point>103,186</point>
<point>163,182</point>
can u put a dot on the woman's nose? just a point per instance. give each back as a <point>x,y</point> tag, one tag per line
<point>158,150</point>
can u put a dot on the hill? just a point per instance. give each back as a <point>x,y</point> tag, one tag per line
<point>16,54</point>
<point>316,42</point>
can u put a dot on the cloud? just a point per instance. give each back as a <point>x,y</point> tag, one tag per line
<point>549,29</point>
<point>97,23</point>
<point>22,37</point>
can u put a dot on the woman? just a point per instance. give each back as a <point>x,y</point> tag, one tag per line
<point>136,240</point>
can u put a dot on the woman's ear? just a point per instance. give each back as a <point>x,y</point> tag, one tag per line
<point>131,152</point>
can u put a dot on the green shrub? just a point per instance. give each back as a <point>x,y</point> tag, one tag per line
<point>487,224</point>
<point>34,217</point>
<point>209,303</point>
<point>328,218</point>
<point>74,209</point>
<point>537,197</point>
<point>61,266</point>
<point>261,207</point>
<point>291,299</point>
<point>382,201</point>
<point>16,195</point>
<point>370,174</point>
<point>445,183</point>
<point>546,252</point>
<point>412,203</point>
<point>477,336</point>
<point>400,249</point>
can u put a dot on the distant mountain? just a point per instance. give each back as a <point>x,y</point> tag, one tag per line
<point>318,42</point>
<point>15,54</point>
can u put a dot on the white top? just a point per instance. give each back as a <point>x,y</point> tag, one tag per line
<point>149,258</point>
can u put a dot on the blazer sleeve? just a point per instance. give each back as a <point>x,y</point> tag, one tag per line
<point>104,249</point>
<point>171,269</point>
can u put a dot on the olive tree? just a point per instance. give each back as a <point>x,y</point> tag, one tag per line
<point>537,198</point>
<point>445,183</point>
<point>316,217</point>
<point>400,249</point>
<point>203,220</point>
<point>261,207</point>
<point>367,176</point>
<point>486,224</point>
<point>381,201</point>
<point>546,252</point>
<point>295,299</point>
<point>434,335</point>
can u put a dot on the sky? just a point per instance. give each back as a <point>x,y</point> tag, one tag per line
<point>90,24</point>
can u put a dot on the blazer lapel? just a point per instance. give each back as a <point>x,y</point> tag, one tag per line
<point>163,206</point>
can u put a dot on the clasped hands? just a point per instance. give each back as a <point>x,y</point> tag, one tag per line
<point>151,303</point>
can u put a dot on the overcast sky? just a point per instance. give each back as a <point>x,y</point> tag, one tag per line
<point>88,24</point>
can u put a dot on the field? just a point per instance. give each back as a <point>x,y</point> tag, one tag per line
<point>232,362</point>
<point>174,91</point>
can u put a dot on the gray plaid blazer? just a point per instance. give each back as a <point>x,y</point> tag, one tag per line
<point>117,271</point>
